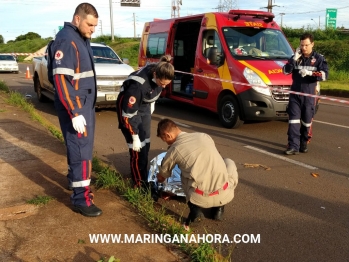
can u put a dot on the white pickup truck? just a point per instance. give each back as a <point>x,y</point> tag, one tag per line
<point>111,72</point>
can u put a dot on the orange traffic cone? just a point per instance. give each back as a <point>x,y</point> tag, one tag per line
<point>27,74</point>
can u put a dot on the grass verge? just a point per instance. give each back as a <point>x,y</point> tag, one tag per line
<point>40,200</point>
<point>109,178</point>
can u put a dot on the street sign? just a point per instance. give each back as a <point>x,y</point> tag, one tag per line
<point>331,18</point>
<point>135,3</point>
<point>60,27</point>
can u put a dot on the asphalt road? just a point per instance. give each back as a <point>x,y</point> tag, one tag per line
<point>295,216</point>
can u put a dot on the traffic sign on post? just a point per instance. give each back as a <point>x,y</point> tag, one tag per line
<point>135,3</point>
<point>331,18</point>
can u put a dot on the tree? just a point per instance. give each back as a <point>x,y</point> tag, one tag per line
<point>1,39</point>
<point>28,36</point>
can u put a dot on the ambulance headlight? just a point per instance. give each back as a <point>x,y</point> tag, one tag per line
<point>256,82</point>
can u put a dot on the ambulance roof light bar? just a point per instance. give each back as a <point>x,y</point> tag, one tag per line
<point>256,14</point>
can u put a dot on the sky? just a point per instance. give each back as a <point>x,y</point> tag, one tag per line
<point>18,17</point>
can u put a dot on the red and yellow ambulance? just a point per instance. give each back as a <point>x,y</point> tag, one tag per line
<point>229,63</point>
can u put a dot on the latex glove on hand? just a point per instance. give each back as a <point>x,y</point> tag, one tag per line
<point>79,123</point>
<point>152,107</point>
<point>136,146</point>
<point>297,54</point>
<point>305,72</point>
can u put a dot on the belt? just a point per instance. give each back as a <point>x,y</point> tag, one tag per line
<point>198,191</point>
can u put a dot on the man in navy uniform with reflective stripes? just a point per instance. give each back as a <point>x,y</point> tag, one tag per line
<point>307,68</point>
<point>71,70</point>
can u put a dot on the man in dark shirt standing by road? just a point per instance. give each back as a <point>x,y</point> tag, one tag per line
<point>71,71</point>
<point>307,68</point>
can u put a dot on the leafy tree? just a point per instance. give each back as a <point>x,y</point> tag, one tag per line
<point>28,36</point>
<point>1,39</point>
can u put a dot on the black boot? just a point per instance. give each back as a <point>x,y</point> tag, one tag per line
<point>194,214</point>
<point>91,211</point>
<point>217,212</point>
<point>303,147</point>
<point>154,191</point>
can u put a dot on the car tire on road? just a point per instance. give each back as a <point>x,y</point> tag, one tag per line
<point>38,90</point>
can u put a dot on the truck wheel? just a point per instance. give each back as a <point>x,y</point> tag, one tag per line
<point>229,112</point>
<point>38,90</point>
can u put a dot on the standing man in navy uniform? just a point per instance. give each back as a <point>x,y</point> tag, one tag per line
<point>134,107</point>
<point>71,70</point>
<point>307,68</point>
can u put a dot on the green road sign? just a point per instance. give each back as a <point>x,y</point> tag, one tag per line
<point>60,27</point>
<point>331,18</point>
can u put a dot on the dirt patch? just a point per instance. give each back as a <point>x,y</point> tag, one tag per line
<point>18,212</point>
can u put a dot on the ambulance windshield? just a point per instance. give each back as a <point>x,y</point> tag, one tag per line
<point>261,43</point>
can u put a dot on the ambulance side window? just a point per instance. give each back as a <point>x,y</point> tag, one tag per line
<point>212,47</point>
<point>156,45</point>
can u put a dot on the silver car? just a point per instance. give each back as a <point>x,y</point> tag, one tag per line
<point>111,72</point>
<point>8,63</point>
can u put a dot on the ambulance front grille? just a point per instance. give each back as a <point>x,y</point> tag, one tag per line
<point>278,95</point>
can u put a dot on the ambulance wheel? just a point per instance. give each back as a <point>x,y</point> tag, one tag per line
<point>229,112</point>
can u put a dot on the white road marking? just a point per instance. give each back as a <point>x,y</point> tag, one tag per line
<point>180,124</point>
<point>326,123</point>
<point>281,157</point>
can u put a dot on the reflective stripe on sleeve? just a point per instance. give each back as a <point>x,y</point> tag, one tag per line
<point>129,115</point>
<point>63,71</point>
<point>137,78</point>
<point>151,100</point>
<point>83,75</point>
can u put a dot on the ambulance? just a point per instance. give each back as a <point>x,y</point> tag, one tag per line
<point>227,62</point>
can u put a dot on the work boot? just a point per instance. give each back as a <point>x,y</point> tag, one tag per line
<point>291,151</point>
<point>91,211</point>
<point>217,212</point>
<point>195,214</point>
<point>154,192</point>
<point>304,147</point>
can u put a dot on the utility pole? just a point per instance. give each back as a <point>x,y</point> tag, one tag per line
<point>282,14</point>
<point>175,6</point>
<point>111,20</point>
<point>134,25</point>
<point>101,27</point>
<point>270,6</point>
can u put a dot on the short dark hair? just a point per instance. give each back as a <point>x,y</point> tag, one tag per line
<point>85,9</point>
<point>165,125</point>
<point>307,35</point>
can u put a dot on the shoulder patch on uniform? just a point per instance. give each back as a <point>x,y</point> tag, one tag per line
<point>132,100</point>
<point>59,55</point>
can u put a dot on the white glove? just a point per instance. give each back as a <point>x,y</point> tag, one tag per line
<point>305,72</point>
<point>79,123</point>
<point>297,54</point>
<point>152,107</point>
<point>136,146</point>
